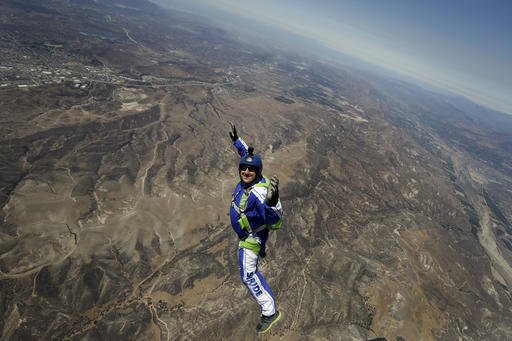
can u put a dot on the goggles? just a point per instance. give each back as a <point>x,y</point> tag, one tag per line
<point>248,167</point>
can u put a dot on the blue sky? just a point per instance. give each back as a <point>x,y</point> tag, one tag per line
<point>464,46</point>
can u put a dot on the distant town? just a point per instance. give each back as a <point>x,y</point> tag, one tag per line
<point>26,72</point>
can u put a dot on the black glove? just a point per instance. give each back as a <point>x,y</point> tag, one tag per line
<point>233,133</point>
<point>273,191</point>
<point>262,253</point>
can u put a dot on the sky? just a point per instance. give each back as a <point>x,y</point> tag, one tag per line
<point>464,46</point>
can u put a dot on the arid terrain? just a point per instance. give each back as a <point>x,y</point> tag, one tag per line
<point>117,171</point>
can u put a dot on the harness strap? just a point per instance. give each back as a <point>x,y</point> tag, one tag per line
<point>243,221</point>
<point>242,216</point>
<point>236,208</point>
<point>258,229</point>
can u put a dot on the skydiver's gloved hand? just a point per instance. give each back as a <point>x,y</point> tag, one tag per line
<point>273,191</point>
<point>232,133</point>
<point>262,253</point>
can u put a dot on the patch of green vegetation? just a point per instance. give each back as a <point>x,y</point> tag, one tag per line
<point>448,166</point>
<point>474,220</point>
<point>284,100</point>
<point>460,189</point>
<point>314,95</point>
<point>248,88</point>
<point>307,92</point>
<point>496,211</point>
<point>426,142</point>
<point>504,288</point>
<point>508,244</point>
<point>450,227</point>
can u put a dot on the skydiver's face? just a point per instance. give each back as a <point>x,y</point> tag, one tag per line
<point>247,174</point>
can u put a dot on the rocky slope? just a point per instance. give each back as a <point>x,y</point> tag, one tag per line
<point>117,172</point>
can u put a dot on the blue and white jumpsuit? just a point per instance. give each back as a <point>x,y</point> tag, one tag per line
<point>252,245</point>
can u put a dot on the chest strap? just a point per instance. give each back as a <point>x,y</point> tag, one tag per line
<point>240,209</point>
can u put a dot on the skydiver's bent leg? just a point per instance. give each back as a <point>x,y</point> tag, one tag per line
<point>254,281</point>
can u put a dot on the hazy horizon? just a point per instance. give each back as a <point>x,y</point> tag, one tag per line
<point>459,46</point>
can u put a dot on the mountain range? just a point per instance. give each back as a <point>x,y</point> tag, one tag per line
<point>117,172</point>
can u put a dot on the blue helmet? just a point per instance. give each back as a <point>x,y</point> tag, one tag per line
<point>253,160</point>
